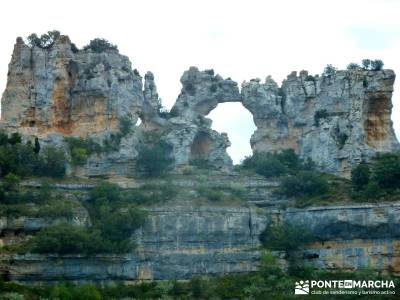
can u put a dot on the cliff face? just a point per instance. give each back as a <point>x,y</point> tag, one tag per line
<point>57,90</point>
<point>336,120</point>
<point>179,242</point>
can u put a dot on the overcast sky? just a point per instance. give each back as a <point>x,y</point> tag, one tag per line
<point>239,39</point>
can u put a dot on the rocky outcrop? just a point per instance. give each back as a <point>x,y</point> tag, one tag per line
<point>175,243</point>
<point>57,90</point>
<point>337,119</point>
<point>201,93</point>
<point>179,242</point>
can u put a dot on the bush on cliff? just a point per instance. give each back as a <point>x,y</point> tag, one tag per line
<point>273,164</point>
<point>100,45</point>
<point>114,217</point>
<point>27,159</point>
<point>329,70</point>
<point>286,237</point>
<point>45,41</point>
<point>113,222</point>
<point>386,170</point>
<point>374,65</point>
<point>67,239</point>
<point>360,176</point>
<point>153,158</point>
<point>52,162</point>
<point>304,184</point>
<point>378,180</point>
<point>80,149</point>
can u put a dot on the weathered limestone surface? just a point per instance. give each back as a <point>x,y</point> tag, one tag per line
<point>175,243</point>
<point>201,93</point>
<point>337,120</point>
<point>57,90</point>
<point>355,125</point>
<point>179,242</point>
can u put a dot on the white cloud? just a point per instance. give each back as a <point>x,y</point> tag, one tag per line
<point>239,39</point>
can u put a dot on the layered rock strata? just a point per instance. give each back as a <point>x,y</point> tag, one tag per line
<point>337,119</point>
<point>180,242</point>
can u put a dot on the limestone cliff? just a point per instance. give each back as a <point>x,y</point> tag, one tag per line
<point>57,90</point>
<point>180,242</point>
<point>337,119</point>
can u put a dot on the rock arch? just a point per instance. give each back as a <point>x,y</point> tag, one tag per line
<point>238,122</point>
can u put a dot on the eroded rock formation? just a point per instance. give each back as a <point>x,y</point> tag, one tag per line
<point>57,90</point>
<point>337,120</point>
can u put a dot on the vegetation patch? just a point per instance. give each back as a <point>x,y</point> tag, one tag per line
<point>113,222</point>
<point>99,45</point>
<point>320,114</point>
<point>286,237</point>
<point>215,194</point>
<point>379,180</point>
<point>154,156</point>
<point>27,159</point>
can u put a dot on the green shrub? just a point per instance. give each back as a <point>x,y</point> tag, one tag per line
<point>11,183</point>
<point>329,70</point>
<point>66,239</point>
<point>366,63</point>
<point>212,194</point>
<point>286,237</point>
<point>320,114</point>
<point>15,139</point>
<point>56,209</point>
<point>273,164</point>
<point>125,125</point>
<point>105,192</point>
<point>52,162</point>
<point>87,292</point>
<point>113,222</point>
<point>151,194</point>
<point>200,163</point>
<point>153,159</point>
<point>45,41</point>
<point>374,65</point>
<point>310,78</point>
<point>80,149</point>
<point>100,45</point>
<point>386,170</point>
<point>353,67</point>
<point>304,183</point>
<point>79,156</point>
<point>25,159</point>
<point>360,176</point>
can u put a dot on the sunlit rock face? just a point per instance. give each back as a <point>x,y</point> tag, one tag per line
<point>57,90</point>
<point>337,120</point>
<point>202,91</point>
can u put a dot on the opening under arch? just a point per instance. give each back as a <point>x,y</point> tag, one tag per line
<point>234,119</point>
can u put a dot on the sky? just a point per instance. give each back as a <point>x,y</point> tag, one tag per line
<point>241,39</point>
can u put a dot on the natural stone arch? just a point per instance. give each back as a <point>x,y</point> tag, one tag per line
<point>238,125</point>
